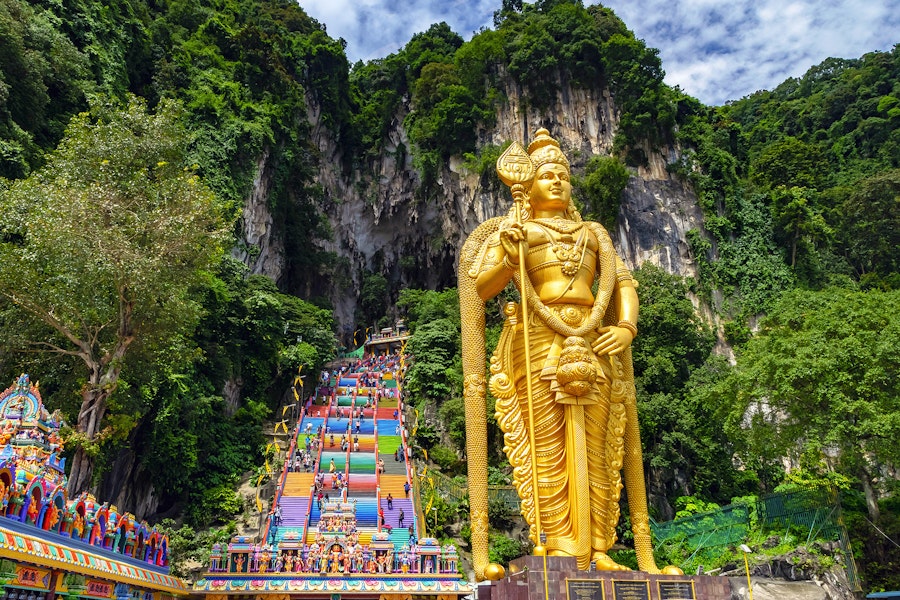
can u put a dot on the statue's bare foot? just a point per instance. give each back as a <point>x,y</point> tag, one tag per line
<point>672,570</point>
<point>603,562</point>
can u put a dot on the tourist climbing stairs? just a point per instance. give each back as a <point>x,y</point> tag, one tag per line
<point>294,497</point>
<point>349,444</point>
<point>394,497</point>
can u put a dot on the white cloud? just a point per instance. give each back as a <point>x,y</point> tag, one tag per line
<point>721,52</point>
<point>376,28</point>
<point>715,51</point>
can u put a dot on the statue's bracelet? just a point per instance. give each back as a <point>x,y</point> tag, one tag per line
<point>508,264</point>
<point>626,324</point>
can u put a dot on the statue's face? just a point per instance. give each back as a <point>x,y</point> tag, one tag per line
<point>551,189</point>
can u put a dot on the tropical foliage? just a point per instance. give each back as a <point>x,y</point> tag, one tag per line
<point>101,251</point>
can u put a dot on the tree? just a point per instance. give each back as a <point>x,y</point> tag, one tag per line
<point>819,383</point>
<point>43,78</point>
<point>869,225</point>
<point>436,373</point>
<point>797,216</point>
<point>600,190</point>
<point>101,249</point>
<point>790,162</point>
<point>424,306</point>
<point>373,297</point>
<point>680,421</point>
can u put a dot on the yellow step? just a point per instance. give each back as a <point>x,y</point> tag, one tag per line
<point>298,484</point>
<point>393,484</point>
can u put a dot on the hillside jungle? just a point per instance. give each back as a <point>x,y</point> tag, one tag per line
<point>130,134</point>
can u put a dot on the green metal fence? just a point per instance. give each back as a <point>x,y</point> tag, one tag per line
<point>808,514</point>
<point>454,492</point>
<point>724,527</point>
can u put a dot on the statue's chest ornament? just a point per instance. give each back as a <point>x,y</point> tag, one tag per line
<point>568,250</point>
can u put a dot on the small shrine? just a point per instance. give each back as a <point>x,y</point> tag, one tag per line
<point>55,543</point>
<point>338,520</point>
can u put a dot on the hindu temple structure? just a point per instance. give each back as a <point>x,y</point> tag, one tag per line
<point>53,546</point>
<point>346,521</point>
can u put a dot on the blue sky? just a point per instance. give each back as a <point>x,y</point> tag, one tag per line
<point>714,50</point>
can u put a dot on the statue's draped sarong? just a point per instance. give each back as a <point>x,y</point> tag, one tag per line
<point>578,440</point>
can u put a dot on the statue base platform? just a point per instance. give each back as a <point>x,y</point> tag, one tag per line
<point>566,582</point>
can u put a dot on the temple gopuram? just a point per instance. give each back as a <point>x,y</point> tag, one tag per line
<point>346,520</point>
<point>54,547</point>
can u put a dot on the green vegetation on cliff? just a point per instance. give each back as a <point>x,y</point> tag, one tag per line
<point>800,184</point>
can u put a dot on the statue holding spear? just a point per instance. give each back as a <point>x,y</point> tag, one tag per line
<point>562,372</point>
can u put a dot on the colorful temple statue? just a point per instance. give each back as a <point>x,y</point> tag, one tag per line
<point>562,371</point>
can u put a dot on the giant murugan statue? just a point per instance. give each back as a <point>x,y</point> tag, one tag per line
<point>562,372</point>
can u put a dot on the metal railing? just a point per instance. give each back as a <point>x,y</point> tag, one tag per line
<point>808,514</point>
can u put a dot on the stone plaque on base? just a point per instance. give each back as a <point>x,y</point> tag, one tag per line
<point>558,577</point>
<point>676,590</point>
<point>584,589</point>
<point>631,590</point>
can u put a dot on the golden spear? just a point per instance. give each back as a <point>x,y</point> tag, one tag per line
<point>515,170</point>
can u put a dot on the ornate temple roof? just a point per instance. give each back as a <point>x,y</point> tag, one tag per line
<point>40,525</point>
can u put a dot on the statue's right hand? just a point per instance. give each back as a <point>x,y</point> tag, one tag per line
<point>512,238</point>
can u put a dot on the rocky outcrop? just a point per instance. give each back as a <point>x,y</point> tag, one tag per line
<point>653,219</point>
<point>128,487</point>
<point>262,247</point>
<point>798,575</point>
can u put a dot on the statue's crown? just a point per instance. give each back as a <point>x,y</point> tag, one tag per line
<point>543,150</point>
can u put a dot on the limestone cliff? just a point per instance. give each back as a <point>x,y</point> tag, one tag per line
<point>382,222</point>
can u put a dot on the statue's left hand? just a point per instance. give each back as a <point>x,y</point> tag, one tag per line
<point>612,341</point>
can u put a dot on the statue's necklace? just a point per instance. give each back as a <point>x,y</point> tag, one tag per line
<point>569,251</point>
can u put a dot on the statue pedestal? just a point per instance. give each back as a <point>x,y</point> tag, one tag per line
<point>566,582</point>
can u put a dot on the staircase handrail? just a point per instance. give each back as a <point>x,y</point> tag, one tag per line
<point>377,471</point>
<point>416,492</point>
<point>349,447</point>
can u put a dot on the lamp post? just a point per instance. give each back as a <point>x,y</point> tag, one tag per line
<point>434,510</point>
<point>746,550</point>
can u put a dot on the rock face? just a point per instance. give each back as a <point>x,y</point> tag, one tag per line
<point>263,248</point>
<point>776,589</point>
<point>383,222</point>
<point>653,219</point>
<point>798,575</point>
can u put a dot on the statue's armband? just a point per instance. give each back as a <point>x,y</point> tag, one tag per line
<point>491,270</point>
<point>623,274</point>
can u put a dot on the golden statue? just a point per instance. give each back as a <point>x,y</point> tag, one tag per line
<point>564,385</point>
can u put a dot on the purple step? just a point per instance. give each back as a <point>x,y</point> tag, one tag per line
<point>392,516</point>
<point>294,511</point>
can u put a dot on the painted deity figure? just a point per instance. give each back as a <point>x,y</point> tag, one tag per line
<point>78,525</point>
<point>264,559</point>
<point>33,509</point>
<point>52,516</point>
<point>562,371</point>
